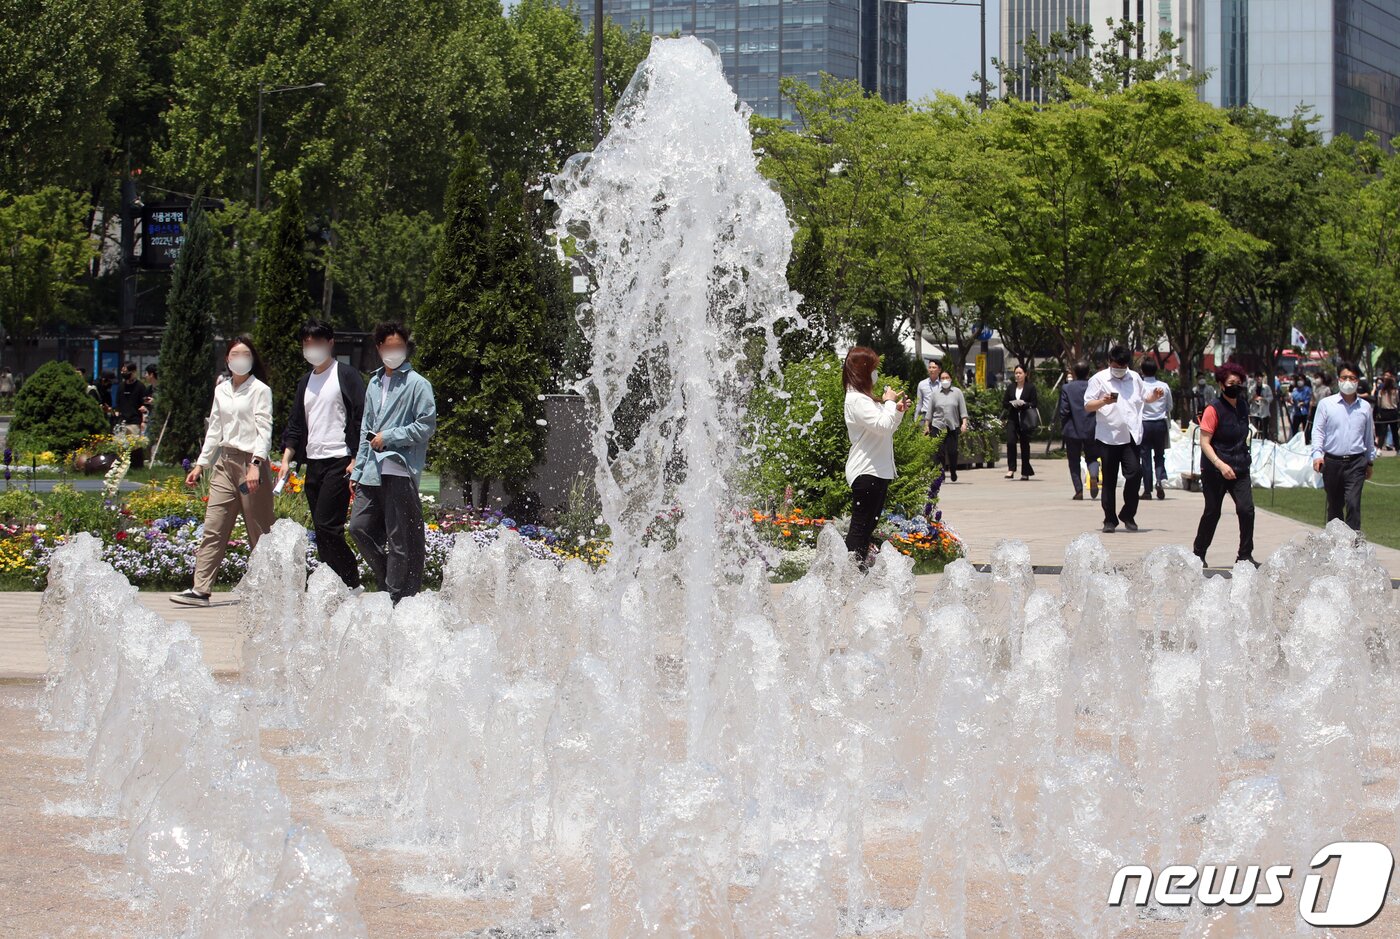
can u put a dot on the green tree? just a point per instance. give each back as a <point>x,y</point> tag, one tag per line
<point>1350,254</point>
<point>65,65</point>
<point>186,346</point>
<point>382,263</point>
<point>44,249</point>
<point>283,301</point>
<point>477,335</point>
<point>54,412</point>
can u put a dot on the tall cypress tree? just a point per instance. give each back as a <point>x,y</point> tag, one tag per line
<point>186,346</point>
<point>284,302</point>
<point>478,333</point>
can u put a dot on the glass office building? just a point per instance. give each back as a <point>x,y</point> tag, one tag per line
<point>1341,58</point>
<point>762,41</point>
<point>1021,19</point>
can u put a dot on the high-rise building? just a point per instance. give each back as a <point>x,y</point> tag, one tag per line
<point>1043,18</point>
<point>1341,58</point>
<point>761,41</point>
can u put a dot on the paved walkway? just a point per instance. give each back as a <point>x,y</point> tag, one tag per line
<point>985,507</point>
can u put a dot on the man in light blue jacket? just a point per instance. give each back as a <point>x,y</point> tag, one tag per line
<point>400,415</point>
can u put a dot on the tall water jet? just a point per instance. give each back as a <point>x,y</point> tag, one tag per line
<point>688,248</point>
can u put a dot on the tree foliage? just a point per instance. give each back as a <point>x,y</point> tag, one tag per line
<point>283,301</point>
<point>53,411</point>
<point>186,346</point>
<point>477,333</point>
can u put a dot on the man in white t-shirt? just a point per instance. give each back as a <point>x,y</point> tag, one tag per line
<point>323,433</point>
<point>1116,396</point>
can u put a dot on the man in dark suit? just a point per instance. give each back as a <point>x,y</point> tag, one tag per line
<point>1078,430</point>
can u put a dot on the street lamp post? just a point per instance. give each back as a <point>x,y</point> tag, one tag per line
<point>597,72</point>
<point>263,90</point>
<point>980,5</point>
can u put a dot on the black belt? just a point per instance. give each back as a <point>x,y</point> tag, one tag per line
<point>1345,459</point>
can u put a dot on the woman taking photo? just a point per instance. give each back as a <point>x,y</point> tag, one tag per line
<point>870,423</point>
<point>1225,463</point>
<point>1020,408</point>
<point>235,453</point>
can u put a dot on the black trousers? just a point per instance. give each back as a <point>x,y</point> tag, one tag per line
<point>868,501</point>
<point>1016,435</point>
<point>948,452</point>
<point>328,495</point>
<point>1124,458</point>
<point>1342,479</point>
<point>1089,450</point>
<point>1153,453</point>
<point>1388,428</point>
<point>1299,422</point>
<point>1215,488</point>
<point>390,515</point>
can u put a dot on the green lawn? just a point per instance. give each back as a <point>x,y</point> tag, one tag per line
<point>1380,504</point>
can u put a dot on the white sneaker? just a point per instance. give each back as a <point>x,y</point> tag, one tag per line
<point>190,597</point>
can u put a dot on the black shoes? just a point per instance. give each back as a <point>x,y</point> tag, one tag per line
<point>1109,528</point>
<point>1128,524</point>
<point>1161,493</point>
<point>1078,496</point>
<point>1093,488</point>
<point>1248,560</point>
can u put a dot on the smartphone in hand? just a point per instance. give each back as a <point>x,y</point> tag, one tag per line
<point>243,487</point>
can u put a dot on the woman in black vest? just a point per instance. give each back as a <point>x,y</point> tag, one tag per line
<point>1225,462</point>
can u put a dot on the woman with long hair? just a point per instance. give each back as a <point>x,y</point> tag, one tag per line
<point>1019,406</point>
<point>235,452</point>
<point>871,421</point>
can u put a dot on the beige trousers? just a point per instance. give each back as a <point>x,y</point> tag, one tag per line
<point>225,502</point>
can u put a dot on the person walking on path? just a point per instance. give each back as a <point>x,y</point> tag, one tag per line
<point>323,434</point>
<point>1117,396</point>
<point>947,410</point>
<point>925,391</point>
<point>1387,412</point>
<point>1261,406</point>
<point>1299,407</point>
<point>1156,416</point>
<point>1020,408</point>
<point>870,425</point>
<point>1225,464</point>
<point>236,447</point>
<point>400,416</point>
<point>1077,428</point>
<point>1344,446</point>
<point>131,410</point>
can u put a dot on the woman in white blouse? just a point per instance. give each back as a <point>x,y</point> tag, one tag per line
<point>235,453</point>
<point>870,424</point>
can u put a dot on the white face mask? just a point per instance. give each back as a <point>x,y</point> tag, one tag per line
<point>240,364</point>
<point>1347,387</point>
<point>393,359</point>
<point>945,383</point>
<point>1117,372</point>
<point>316,356</point>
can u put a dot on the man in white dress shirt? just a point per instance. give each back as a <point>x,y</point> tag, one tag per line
<point>1344,446</point>
<point>1117,396</point>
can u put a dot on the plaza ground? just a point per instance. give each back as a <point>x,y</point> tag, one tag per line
<point>62,874</point>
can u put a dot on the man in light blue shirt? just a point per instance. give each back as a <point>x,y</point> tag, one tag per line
<point>1156,415</point>
<point>400,416</point>
<point>925,391</point>
<point>1344,446</point>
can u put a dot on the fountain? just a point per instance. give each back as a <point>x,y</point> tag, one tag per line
<point>665,746</point>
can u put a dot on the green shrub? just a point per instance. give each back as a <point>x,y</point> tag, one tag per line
<point>68,510</point>
<point>799,440</point>
<point>53,411</point>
